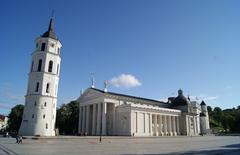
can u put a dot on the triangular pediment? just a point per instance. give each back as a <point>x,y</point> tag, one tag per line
<point>90,94</point>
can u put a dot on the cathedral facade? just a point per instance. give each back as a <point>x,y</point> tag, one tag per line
<point>107,113</point>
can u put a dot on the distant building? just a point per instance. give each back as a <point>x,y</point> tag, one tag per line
<point>39,114</point>
<point>3,122</point>
<point>107,113</point>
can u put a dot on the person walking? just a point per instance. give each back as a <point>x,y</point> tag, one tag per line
<point>17,139</point>
<point>100,139</point>
<point>20,139</point>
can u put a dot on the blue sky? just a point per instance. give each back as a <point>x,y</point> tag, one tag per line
<point>158,46</point>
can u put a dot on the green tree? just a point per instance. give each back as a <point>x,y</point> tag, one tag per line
<point>228,119</point>
<point>209,109</point>
<point>15,118</point>
<point>67,118</point>
<point>217,110</point>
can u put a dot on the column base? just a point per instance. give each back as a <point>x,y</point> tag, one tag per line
<point>174,133</point>
<point>170,134</point>
<point>161,134</point>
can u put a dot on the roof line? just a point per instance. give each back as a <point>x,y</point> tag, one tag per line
<point>141,98</point>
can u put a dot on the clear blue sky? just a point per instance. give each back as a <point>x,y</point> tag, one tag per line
<point>166,45</point>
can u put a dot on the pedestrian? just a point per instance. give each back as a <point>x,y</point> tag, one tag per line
<point>100,139</point>
<point>20,139</point>
<point>17,140</point>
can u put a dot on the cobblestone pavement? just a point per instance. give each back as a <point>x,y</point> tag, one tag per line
<point>122,145</point>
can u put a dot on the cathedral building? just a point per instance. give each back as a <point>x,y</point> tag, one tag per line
<point>102,112</point>
<point>107,113</point>
<point>39,114</point>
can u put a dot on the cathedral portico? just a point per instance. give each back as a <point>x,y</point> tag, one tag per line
<point>105,113</point>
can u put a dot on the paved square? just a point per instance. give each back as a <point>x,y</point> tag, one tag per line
<point>123,145</point>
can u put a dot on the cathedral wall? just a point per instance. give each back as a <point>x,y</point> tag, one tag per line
<point>123,119</point>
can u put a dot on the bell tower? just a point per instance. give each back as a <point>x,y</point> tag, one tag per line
<point>39,114</point>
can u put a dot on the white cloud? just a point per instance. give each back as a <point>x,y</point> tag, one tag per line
<point>204,97</point>
<point>8,94</point>
<point>5,106</point>
<point>125,81</point>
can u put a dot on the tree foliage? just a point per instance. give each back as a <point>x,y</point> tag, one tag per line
<point>15,118</point>
<point>67,118</point>
<point>227,120</point>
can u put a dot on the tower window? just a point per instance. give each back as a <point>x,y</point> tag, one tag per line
<point>58,51</point>
<point>45,104</point>
<point>50,66</point>
<point>39,65</point>
<point>32,66</point>
<point>32,115</point>
<point>36,45</point>
<point>37,87</point>
<point>43,116</point>
<point>43,46</point>
<point>35,103</point>
<point>57,68</point>
<point>47,88</point>
<point>46,126</point>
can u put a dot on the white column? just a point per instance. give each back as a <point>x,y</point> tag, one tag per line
<point>150,124</point>
<point>178,128</point>
<point>160,125</point>
<point>136,122</point>
<point>99,119</point>
<point>80,121</point>
<point>84,119</point>
<point>87,120</point>
<point>194,125</point>
<point>114,121</point>
<point>94,120</point>
<point>155,125</point>
<point>174,126</point>
<point>104,112</point>
<point>170,125</point>
<point>165,125</point>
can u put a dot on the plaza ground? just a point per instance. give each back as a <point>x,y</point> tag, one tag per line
<point>123,145</point>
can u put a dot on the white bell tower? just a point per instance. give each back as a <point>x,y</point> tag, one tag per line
<point>39,114</point>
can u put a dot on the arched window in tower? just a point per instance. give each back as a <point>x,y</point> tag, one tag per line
<point>50,66</point>
<point>32,66</point>
<point>37,87</point>
<point>46,126</point>
<point>47,88</point>
<point>39,65</point>
<point>57,68</point>
<point>43,116</point>
<point>43,46</point>
<point>45,104</point>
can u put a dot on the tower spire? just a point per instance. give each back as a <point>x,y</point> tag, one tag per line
<point>50,27</point>
<point>50,33</point>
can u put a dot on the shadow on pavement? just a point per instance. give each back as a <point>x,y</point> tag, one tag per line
<point>233,149</point>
